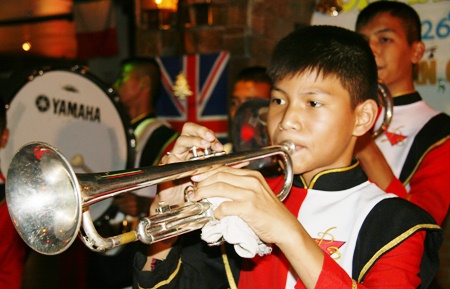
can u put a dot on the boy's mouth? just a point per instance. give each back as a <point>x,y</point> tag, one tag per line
<point>297,147</point>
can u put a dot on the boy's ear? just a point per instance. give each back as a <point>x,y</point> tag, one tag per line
<point>366,114</point>
<point>418,50</point>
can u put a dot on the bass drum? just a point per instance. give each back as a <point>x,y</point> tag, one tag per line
<point>76,112</point>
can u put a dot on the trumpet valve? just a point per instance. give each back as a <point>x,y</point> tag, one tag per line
<point>162,208</point>
<point>207,153</point>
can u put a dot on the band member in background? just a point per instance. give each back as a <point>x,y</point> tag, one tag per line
<point>138,85</point>
<point>12,247</point>
<point>335,229</point>
<point>250,83</point>
<point>416,144</point>
<point>247,130</point>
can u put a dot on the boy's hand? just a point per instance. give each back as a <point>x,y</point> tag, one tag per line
<point>172,193</point>
<point>251,199</point>
<point>192,135</point>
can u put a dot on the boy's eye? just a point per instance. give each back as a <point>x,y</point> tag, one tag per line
<point>315,104</point>
<point>278,101</point>
<point>384,40</point>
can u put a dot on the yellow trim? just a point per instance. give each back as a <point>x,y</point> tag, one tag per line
<point>440,142</point>
<point>168,142</point>
<point>391,245</point>
<point>226,263</point>
<point>139,117</point>
<point>403,93</point>
<point>142,125</point>
<point>354,284</point>
<point>337,170</point>
<point>303,181</point>
<point>168,280</point>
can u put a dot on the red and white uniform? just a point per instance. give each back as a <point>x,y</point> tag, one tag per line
<point>333,212</point>
<point>370,239</point>
<point>416,147</point>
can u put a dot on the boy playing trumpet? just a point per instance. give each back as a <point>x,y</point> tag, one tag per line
<point>330,230</point>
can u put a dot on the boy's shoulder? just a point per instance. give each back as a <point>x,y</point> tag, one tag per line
<point>391,222</point>
<point>398,209</point>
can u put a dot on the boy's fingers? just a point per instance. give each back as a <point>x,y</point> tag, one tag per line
<point>194,135</point>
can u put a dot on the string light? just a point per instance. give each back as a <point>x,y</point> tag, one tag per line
<point>26,46</point>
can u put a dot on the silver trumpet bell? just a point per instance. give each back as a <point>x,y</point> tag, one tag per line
<point>49,203</point>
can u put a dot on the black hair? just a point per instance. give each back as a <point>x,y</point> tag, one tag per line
<point>330,51</point>
<point>147,66</point>
<point>410,19</point>
<point>255,74</point>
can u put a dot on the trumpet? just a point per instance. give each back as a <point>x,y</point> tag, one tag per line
<point>49,203</point>
<point>385,99</point>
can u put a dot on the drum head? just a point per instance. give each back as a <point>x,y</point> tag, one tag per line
<point>76,113</point>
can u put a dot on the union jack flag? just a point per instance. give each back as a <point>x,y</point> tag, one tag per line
<point>205,101</point>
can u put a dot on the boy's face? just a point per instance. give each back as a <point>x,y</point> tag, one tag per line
<point>128,86</point>
<point>315,113</point>
<point>393,55</point>
<point>246,90</point>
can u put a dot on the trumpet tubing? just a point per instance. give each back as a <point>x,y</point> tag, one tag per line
<point>49,203</point>
<point>387,103</point>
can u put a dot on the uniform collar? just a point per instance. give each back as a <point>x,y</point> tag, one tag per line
<point>335,179</point>
<point>407,98</point>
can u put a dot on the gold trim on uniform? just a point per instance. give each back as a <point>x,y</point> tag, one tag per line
<point>167,143</point>
<point>139,117</point>
<point>404,93</point>
<point>337,170</point>
<point>438,143</point>
<point>226,264</point>
<point>391,245</point>
<point>303,181</point>
<point>168,280</point>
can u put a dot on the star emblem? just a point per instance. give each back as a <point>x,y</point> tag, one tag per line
<point>394,138</point>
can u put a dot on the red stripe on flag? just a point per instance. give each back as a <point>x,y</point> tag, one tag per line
<point>191,62</point>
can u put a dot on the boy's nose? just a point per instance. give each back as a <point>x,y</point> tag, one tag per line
<point>374,47</point>
<point>290,120</point>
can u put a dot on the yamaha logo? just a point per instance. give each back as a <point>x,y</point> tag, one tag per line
<point>42,103</point>
<point>67,108</point>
